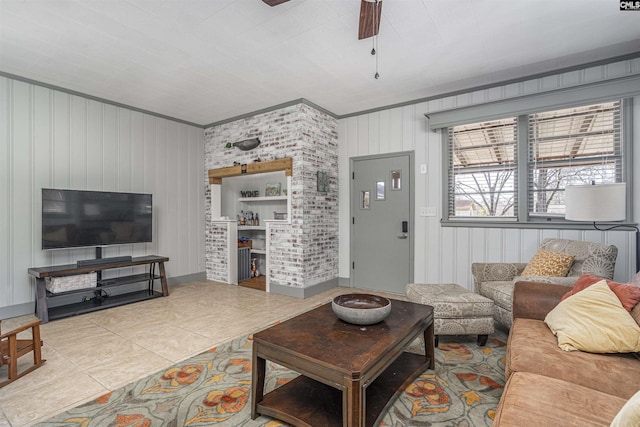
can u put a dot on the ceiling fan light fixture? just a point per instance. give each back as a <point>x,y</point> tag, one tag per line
<point>369,23</point>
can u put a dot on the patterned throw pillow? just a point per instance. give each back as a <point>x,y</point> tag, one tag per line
<point>548,263</point>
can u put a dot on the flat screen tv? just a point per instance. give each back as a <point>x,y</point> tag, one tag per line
<point>78,218</point>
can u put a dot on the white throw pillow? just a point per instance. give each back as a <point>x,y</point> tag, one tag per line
<point>629,415</point>
<point>594,320</point>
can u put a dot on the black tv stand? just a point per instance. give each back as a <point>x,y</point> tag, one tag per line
<point>99,261</point>
<point>45,313</point>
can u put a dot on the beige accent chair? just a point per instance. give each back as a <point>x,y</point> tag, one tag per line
<point>496,280</point>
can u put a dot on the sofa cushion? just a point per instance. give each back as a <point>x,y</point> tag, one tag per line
<point>536,400</point>
<point>594,258</point>
<point>628,294</point>
<point>594,320</point>
<point>533,348</point>
<point>548,263</point>
<point>629,415</point>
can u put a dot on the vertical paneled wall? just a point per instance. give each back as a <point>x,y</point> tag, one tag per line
<point>51,139</point>
<point>445,254</point>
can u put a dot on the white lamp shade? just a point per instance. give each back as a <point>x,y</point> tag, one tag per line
<point>602,202</point>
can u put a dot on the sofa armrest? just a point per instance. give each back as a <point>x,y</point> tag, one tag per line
<point>565,281</point>
<point>533,300</point>
<point>494,271</point>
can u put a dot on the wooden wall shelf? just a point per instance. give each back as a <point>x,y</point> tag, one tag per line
<point>286,165</point>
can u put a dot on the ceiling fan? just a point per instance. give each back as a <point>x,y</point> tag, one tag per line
<point>369,22</point>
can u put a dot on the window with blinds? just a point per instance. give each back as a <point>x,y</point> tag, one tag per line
<point>483,169</point>
<point>578,145</point>
<point>569,146</point>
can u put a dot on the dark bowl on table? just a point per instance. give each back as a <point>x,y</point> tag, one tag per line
<point>361,309</point>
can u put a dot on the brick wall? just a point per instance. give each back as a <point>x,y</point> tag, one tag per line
<point>304,252</point>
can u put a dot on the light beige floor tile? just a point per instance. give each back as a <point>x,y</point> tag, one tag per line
<point>120,369</point>
<point>168,341</point>
<point>55,386</point>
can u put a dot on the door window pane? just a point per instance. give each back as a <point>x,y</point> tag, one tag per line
<point>380,190</point>
<point>364,201</point>
<point>396,180</point>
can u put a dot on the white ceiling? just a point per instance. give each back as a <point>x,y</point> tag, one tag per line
<point>208,60</point>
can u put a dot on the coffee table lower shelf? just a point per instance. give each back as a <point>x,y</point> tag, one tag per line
<point>306,402</point>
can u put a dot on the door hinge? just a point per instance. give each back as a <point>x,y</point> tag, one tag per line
<point>353,220</point>
<point>353,265</point>
<point>353,175</point>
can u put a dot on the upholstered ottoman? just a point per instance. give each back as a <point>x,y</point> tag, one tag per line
<point>456,310</point>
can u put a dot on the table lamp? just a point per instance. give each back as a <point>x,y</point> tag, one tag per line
<point>600,203</point>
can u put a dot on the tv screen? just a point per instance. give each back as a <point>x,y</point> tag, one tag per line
<point>76,218</point>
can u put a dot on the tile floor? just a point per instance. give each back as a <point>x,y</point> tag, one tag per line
<point>91,354</point>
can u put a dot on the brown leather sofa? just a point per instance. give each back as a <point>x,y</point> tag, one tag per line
<point>547,386</point>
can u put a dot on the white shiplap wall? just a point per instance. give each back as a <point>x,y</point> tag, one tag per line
<point>445,254</point>
<point>49,138</point>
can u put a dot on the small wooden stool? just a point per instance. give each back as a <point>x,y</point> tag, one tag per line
<point>456,310</point>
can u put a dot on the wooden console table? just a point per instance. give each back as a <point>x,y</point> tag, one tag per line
<point>45,313</point>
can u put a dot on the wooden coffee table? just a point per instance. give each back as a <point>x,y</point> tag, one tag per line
<point>350,374</point>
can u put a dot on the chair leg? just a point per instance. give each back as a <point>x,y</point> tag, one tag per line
<point>13,357</point>
<point>37,345</point>
<point>482,340</point>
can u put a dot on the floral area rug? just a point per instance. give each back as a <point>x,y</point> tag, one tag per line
<point>214,388</point>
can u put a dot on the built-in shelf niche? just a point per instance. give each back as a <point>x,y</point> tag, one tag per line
<point>225,181</point>
<point>232,203</point>
<point>227,202</point>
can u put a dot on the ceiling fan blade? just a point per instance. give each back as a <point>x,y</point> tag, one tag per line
<point>369,10</point>
<point>274,2</point>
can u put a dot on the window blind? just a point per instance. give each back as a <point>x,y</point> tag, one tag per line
<point>482,169</point>
<point>577,145</point>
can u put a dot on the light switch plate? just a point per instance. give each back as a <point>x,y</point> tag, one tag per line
<point>428,211</point>
<point>423,168</point>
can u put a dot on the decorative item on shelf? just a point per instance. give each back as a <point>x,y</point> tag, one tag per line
<point>254,269</point>
<point>245,242</point>
<point>284,191</point>
<point>272,190</point>
<point>361,309</point>
<point>250,193</point>
<point>323,181</point>
<point>247,144</point>
<point>279,215</point>
<point>600,203</point>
